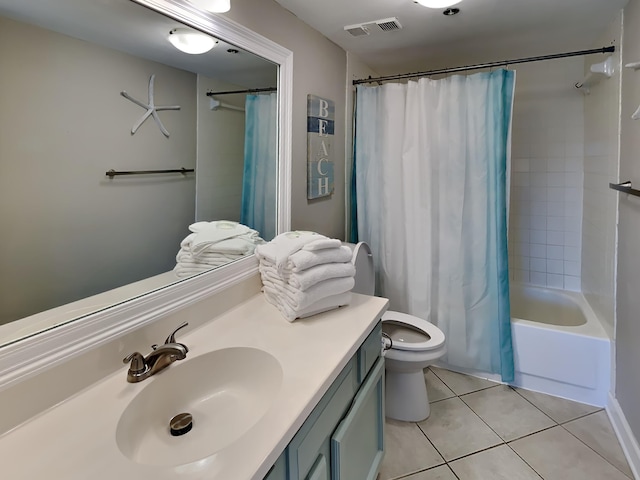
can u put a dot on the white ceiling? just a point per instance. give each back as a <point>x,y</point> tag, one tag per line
<point>131,28</point>
<point>483,31</point>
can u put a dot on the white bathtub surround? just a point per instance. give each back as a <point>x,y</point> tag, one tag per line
<point>311,356</point>
<point>545,223</point>
<point>560,347</point>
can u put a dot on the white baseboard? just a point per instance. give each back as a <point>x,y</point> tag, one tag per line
<point>627,440</point>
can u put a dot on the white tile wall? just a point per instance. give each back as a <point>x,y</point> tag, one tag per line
<point>600,203</point>
<point>547,175</point>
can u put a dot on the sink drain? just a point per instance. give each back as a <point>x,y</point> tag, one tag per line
<point>181,424</point>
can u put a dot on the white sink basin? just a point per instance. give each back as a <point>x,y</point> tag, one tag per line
<point>226,391</point>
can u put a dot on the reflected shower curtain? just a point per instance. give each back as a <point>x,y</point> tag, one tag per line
<point>259,182</point>
<point>432,162</point>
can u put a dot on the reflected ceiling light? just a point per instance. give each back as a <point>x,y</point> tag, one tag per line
<point>190,41</point>
<point>437,3</point>
<point>215,6</point>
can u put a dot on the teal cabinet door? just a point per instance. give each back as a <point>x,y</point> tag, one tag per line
<point>357,445</point>
<point>320,470</point>
<point>279,469</point>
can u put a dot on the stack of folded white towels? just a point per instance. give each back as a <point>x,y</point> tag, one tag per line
<point>212,244</point>
<point>305,273</point>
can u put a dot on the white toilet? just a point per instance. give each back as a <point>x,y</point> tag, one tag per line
<point>415,344</point>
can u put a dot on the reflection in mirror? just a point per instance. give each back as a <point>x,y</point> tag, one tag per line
<point>78,79</point>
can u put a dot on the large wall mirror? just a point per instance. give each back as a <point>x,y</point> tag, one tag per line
<point>76,240</point>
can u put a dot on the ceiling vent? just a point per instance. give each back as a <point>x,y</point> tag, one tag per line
<point>357,30</point>
<point>388,24</point>
<point>385,25</point>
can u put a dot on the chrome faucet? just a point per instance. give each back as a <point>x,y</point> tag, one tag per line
<point>160,358</point>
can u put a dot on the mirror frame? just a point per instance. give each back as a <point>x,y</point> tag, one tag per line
<point>33,354</point>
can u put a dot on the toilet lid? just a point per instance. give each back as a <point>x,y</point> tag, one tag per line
<point>411,333</point>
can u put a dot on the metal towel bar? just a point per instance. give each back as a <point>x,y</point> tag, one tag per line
<point>625,187</point>
<point>112,173</point>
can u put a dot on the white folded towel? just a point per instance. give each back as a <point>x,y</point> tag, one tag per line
<point>299,300</point>
<point>184,256</point>
<point>322,244</point>
<point>181,270</point>
<point>278,250</point>
<point>223,234</point>
<point>241,245</point>
<point>305,279</point>
<point>328,303</point>
<point>304,259</point>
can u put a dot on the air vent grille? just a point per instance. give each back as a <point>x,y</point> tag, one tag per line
<point>357,30</point>
<point>388,24</point>
<point>385,25</point>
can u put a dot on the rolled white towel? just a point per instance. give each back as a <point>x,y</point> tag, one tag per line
<point>323,305</point>
<point>299,300</point>
<point>306,279</point>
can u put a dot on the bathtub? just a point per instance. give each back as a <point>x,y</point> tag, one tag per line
<point>560,347</point>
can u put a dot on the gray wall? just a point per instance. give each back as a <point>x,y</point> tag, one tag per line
<point>628,274</point>
<point>67,230</point>
<point>319,68</point>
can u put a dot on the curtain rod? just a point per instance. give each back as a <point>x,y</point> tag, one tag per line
<point>502,63</point>
<point>250,90</point>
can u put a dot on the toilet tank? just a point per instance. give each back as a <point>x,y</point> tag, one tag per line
<point>365,275</point>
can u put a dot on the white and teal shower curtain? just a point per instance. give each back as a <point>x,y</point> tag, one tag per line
<point>260,178</point>
<point>432,162</point>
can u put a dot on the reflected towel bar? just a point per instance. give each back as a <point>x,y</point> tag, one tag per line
<point>625,187</point>
<point>112,173</point>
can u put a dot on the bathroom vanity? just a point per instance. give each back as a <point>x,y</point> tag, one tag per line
<point>269,399</point>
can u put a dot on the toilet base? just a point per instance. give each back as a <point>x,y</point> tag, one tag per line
<point>406,396</point>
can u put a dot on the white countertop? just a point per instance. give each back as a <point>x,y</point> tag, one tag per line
<point>77,439</point>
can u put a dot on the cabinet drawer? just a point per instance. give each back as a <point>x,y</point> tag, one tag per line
<point>315,433</point>
<point>369,352</point>
<point>357,445</point>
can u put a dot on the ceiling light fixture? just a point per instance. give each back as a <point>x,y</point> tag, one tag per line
<point>437,3</point>
<point>215,6</point>
<point>190,41</point>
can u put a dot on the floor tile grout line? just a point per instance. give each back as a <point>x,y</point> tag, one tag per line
<point>432,444</point>
<point>589,447</point>
<point>466,393</point>
<point>525,462</point>
<point>556,424</point>
<point>534,405</point>
<point>503,441</point>
<point>533,433</point>
<point>580,417</point>
<point>481,419</point>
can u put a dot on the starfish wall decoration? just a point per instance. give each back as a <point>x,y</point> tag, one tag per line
<point>152,109</point>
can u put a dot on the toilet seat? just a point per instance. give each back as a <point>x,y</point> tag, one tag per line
<point>435,340</point>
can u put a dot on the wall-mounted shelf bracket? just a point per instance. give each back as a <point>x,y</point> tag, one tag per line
<point>597,72</point>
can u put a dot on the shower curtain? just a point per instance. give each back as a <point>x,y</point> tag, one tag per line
<point>431,162</point>
<point>259,183</point>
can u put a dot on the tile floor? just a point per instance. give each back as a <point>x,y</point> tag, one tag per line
<point>481,430</point>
